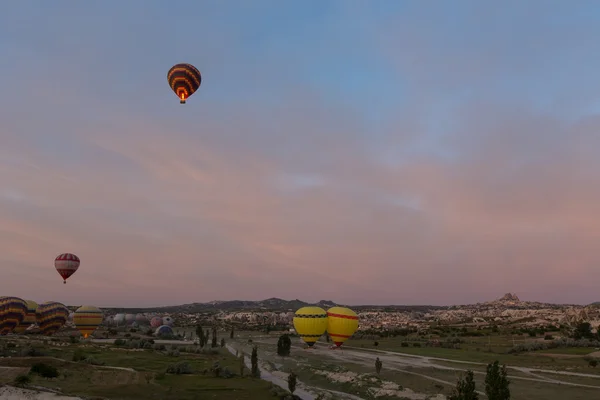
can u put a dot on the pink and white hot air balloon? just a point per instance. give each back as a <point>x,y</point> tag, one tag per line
<point>156,322</point>
<point>66,264</point>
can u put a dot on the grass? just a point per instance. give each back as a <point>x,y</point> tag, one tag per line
<point>147,381</point>
<point>569,350</point>
<point>475,351</point>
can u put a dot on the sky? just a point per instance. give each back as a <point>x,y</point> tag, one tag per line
<point>388,152</point>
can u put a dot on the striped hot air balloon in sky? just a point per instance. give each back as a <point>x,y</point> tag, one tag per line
<point>66,264</point>
<point>342,322</point>
<point>12,312</point>
<point>29,317</point>
<point>310,323</point>
<point>51,316</point>
<point>87,319</point>
<point>184,80</point>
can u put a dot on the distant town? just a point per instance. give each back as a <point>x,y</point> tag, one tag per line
<point>278,314</point>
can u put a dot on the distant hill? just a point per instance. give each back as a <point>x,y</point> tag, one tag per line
<point>272,304</point>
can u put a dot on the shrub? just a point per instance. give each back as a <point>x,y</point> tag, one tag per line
<point>44,370</point>
<point>417,344</point>
<point>78,355</point>
<point>92,361</point>
<point>180,368</point>
<point>593,363</point>
<point>404,344</point>
<point>548,337</point>
<point>22,380</point>
<point>32,352</point>
<point>119,342</point>
<point>173,353</point>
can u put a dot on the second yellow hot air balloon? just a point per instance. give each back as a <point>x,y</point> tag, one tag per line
<point>87,319</point>
<point>310,323</point>
<point>342,322</point>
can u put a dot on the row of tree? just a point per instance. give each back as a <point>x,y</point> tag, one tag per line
<point>496,385</point>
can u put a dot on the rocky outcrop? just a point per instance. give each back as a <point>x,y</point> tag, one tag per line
<point>509,297</point>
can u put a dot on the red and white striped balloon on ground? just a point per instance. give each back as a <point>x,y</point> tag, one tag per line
<point>66,264</point>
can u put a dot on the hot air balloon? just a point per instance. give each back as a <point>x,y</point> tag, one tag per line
<point>119,319</point>
<point>168,321</point>
<point>156,322</point>
<point>342,322</point>
<point>129,319</point>
<point>163,330</point>
<point>66,264</point>
<point>51,316</point>
<point>87,319</point>
<point>310,323</point>
<point>12,312</point>
<point>184,80</point>
<point>141,319</point>
<point>29,317</point>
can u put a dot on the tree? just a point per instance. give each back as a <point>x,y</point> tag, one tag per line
<point>583,331</point>
<point>214,337</point>
<point>465,388</point>
<point>231,333</point>
<point>242,364</point>
<point>222,342</point>
<point>327,337</point>
<point>496,382</point>
<point>378,365</point>
<point>292,379</point>
<point>254,362</point>
<point>284,345</point>
<point>201,338</point>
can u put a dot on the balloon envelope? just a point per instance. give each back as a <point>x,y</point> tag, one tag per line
<point>51,316</point>
<point>310,323</point>
<point>342,322</point>
<point>184,80</point>
<point>29,317</point>
<point>87,319</point>
<point>156,322</point>
<point>12,312</point>
<point>168,321</point>
<point>66,264</point>
<point>163,330</point>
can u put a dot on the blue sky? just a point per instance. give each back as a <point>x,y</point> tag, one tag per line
<point>395,145</point>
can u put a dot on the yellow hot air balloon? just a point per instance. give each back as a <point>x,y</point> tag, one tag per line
<point>310,323</point>
<point>29,317</point>
<point>342,322</point>
<point>87,319</point>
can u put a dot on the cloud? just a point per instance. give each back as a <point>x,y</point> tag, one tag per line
<point>475,180</point>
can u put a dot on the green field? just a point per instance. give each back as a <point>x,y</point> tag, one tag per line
<point>477,350</point>
<point>147,380</point>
